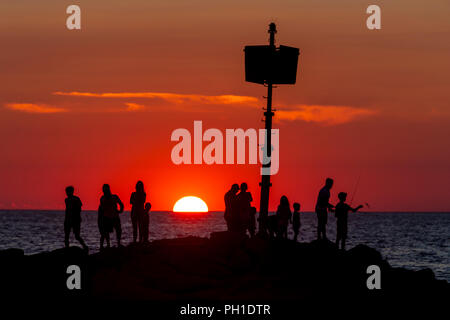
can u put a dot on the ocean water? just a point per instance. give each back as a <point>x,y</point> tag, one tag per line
<point>411,240</point>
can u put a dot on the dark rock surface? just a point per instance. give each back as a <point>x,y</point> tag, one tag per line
<point>223,268</point>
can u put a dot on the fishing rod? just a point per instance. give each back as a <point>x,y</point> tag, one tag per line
<point>356,189</point>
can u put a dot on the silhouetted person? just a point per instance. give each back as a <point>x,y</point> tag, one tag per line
<point>284,215</point>
<point>322,207</point>
<point>108,216</point>
<point>72,219</point>
<point>251,225</point>
<point>296,220</point>
<point>145,220</point>
<point>230,205</point>
<point>240,216</point>
<point>137,201</point>
<point>341,212</point>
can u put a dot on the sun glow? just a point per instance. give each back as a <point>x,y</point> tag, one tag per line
<point>190,204</point>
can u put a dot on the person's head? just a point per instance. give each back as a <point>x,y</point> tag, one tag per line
<point>106,189</point>
<point>69,191</point>
<point>296,206</point>
<point>139,186</point>
<point>147,206</point>
<point>329,183</point>
<point>235,188</point>
<point>284,202</point>
<point>244,187</point>
<point>342,196</point>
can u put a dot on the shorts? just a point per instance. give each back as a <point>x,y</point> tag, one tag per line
<point>108,225</point>
<point>71,224</point>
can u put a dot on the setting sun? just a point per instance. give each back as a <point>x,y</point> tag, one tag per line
<point>190,204</point>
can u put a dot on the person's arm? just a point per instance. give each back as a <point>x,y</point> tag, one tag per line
<point>121,206</point>
<point>356,209</point>
<point>331,207</point>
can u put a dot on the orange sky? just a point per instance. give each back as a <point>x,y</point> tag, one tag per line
<point>367,103</point>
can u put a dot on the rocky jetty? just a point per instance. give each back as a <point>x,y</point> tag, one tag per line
<point>223,268</point>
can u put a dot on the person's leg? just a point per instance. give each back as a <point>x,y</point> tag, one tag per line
<point>143,228</point>
<point>344,236</point>
<point>319,225</point>
<point>146,228</point>
<point>134,223</point>
<point>66,233</point>
<point>320,229</point>
<point>118,228</point>
<point>76,232</point>
<point>108,241</point>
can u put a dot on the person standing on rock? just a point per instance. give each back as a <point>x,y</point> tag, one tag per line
<point>72,219</point>
<point>242,214</point>
<point>284,215</point>
<point>137,201</point>
<point>108,216</point>
<point>296,220</point>
<point>323,205</point>
<point>144,223</point>
<point>341,213</point>
<point>230,205</point>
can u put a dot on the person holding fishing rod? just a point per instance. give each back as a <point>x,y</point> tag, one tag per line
<point>341,212</point>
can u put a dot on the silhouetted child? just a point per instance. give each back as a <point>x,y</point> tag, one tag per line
<point>72,219</point>
<point>145,219</point>
<point>296,220</point>
<point>341,212</point>
<point>252,222</point>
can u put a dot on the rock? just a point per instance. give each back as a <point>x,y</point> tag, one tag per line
<point>226,267</point>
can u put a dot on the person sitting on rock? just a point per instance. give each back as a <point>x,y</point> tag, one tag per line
<point>296,220</point>
<point>341,212</point>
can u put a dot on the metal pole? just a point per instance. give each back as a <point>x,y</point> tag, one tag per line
<point>265,179</point>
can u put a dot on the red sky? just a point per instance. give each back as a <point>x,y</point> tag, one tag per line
<point>373,104</point>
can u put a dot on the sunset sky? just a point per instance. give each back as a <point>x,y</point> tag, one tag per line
<point>98,105</point>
